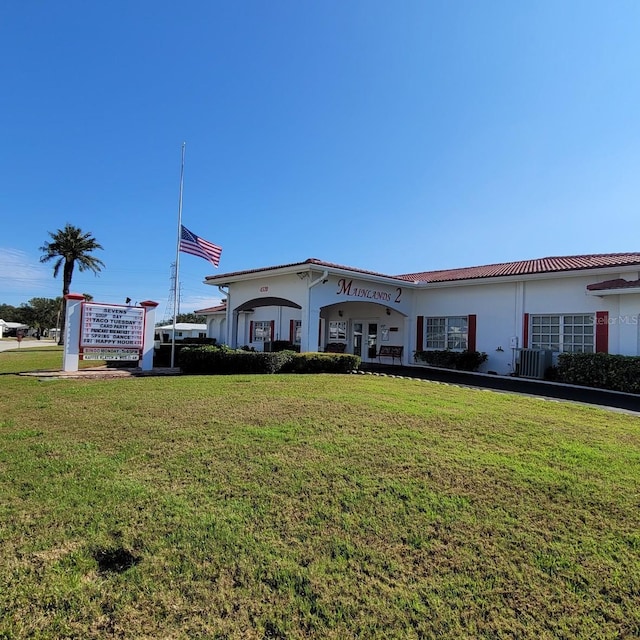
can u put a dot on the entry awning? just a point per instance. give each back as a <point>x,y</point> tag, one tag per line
<point>619,286</point>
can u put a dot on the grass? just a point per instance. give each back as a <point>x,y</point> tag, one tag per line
<point>311,507</point>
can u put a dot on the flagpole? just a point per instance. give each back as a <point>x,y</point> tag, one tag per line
<point>177,281</point>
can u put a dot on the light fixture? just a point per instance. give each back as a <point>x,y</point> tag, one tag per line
<point>388,311</point>
<point>340,312</point>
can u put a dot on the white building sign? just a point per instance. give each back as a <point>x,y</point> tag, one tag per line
<point>111,326</point>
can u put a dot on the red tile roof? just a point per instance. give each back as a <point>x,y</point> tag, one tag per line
<point>527,267</point>
<point>306,263</point>
<point>220,307</point>
<point>521,267</point>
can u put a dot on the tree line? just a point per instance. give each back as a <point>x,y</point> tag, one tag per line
<point>38,313</point>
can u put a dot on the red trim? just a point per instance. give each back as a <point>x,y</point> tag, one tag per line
<point>149,303</point>
<point>74,296</point>
<point>525,331</point>
<point>272,337</point>
<point>292,331</point>
<point>419,333</point>
<point>471,331</point>
<point>250,331</point>
<point>602,332</point>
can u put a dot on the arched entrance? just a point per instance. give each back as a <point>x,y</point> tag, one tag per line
<point>362,328</point>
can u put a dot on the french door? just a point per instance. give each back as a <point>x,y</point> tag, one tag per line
<point>364,338</point>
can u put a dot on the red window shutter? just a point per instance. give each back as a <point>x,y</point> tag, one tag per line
<point>251,331</point>
<point>471,330</point>
<point>419,333</point>
<point>602,332</point>
<point>525,331</point>
<point>292,331</point>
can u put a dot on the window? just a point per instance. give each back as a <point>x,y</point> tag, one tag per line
<point>573,333</point>
<point>447,333</point>
<point>262,331</point>
<point>337,330</point>
<point>297,332</point>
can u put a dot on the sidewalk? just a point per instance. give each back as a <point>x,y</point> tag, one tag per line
<point>6,344</point>
<point>526,386</point>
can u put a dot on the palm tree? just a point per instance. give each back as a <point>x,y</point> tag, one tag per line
<point>70,246</point>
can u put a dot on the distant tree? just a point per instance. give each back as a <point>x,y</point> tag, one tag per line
<point>190,317</point>
<point>42,313</point>
<point>88,297</point>
<point>69,246</point>
<point>9,313</point>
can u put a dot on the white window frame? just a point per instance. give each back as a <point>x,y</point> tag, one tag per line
<point>563,332</point>
<point>261,331</point>
<point>337,330</point>
<point>446,333</point>
<point>297,332</point>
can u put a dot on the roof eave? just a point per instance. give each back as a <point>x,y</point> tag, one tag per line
<point>545,275</point>
<point>300,268</point>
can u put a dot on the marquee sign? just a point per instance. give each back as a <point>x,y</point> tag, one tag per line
<point>111,332</point>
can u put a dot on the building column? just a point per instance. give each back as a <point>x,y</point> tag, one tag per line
<point>310,328</point>
<point>409,340</point>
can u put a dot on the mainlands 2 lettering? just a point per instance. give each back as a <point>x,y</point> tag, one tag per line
<point>346,288</point>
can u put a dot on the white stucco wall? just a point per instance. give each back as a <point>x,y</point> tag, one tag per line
<point>495,308</point>
<point>499,307</point>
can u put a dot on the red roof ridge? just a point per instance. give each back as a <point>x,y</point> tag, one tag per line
<point>523,267</point>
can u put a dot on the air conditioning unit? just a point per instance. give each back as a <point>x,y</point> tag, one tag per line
<point>534,362</point>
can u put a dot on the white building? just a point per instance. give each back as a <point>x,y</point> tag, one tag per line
<point>576,303</point>
<point>183,330</point>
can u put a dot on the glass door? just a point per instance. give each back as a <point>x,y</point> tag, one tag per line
<point>364,336</point>
<point>357,338</point>
<point>372,340</point>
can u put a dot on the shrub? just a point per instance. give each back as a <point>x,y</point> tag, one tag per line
<point>284,345</point>
<point>223,360</point>
<point>601,370</point>
<point>460,360</point>
<point>162,355</point>
<point>322,363</point>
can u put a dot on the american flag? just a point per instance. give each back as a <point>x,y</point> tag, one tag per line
<point>191,243</point>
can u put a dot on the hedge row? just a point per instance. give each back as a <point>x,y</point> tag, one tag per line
<point>601,370</point>
<point>460,360</point>
<point>222,360</point>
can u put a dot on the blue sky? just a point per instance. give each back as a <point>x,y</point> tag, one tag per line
<point>391,136</point>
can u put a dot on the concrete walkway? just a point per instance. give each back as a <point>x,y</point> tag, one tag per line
<point>6,344</point>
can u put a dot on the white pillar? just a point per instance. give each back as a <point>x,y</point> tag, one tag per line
<point>409,339</point>
<point>72,326</point>
<point>146,363</point>
<point>310,328</point>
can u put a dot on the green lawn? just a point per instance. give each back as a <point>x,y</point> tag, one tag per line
<point>311,507</point>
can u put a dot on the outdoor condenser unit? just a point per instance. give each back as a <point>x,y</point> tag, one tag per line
<point>534,362</point>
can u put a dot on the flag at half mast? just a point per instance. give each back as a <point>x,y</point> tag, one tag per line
<point>191,243</point>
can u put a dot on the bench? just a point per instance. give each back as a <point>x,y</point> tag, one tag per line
<point>390,351</point>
